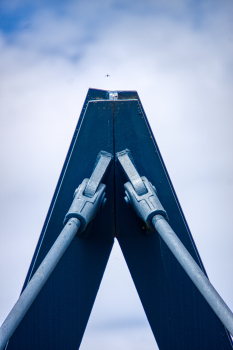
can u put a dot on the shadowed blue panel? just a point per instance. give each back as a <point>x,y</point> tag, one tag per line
<point>58,317</point>
<point>179,316</point>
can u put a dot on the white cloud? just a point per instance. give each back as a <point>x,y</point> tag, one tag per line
<point>182,73</point>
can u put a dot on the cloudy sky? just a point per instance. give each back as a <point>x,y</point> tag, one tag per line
<point>178,56</point>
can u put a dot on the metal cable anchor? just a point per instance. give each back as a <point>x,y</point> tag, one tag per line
<point>81,212</point>
<point>89,197</point>
<point>139,192</point>
<point>149,209</point>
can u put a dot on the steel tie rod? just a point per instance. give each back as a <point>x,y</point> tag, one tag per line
<point>151,211</point>
<point>81,212</point>
<point>193,270</point>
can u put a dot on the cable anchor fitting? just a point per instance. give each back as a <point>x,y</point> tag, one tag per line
<point>89,197</point>
<point>140,194</point>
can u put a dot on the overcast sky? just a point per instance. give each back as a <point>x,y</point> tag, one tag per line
<point>178,56</point>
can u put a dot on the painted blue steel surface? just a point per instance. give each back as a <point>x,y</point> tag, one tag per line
<point>179,316</point>
<point>59,315</point>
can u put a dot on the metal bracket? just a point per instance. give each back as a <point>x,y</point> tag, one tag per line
<point>102,162</point>
<point>113,95</point>
<point>125,160</point>
<point>89,197</point>
<point>140,193</point>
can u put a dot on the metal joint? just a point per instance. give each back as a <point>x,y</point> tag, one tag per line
<point>140,193</point>
<point>89,197</point>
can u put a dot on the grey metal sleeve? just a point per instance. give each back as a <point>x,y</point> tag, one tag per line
<point>38,280</point>
<point>194,271</point>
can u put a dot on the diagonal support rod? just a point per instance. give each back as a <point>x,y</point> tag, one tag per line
<point>81,212</point>
<point>38,281</point>
<point>193,270</point>
<point>151,211</point>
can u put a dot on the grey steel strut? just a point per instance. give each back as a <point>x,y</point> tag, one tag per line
<point>83,209</point>
<point>150,210</point>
